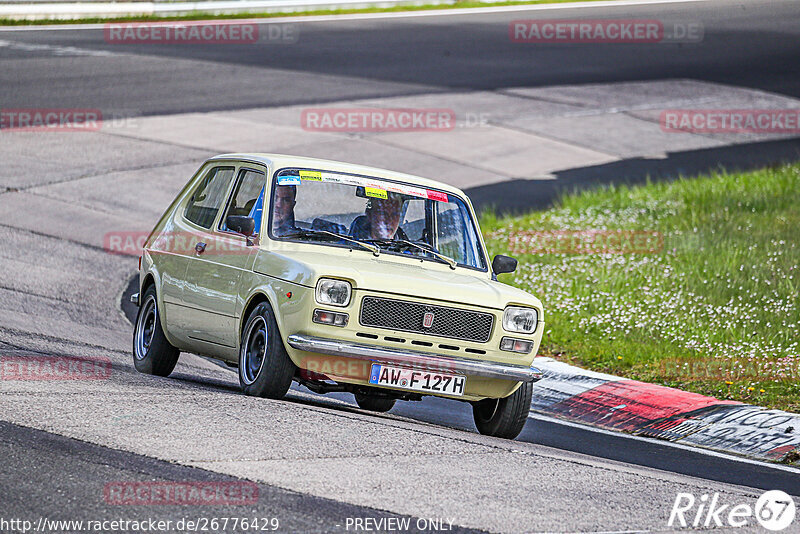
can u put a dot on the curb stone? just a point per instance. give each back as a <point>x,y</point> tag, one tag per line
<point>624,405</point>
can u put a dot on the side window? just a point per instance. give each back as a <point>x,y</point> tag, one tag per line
<point>456,236</point>
<point>248,198</point>
<point>208,197</point>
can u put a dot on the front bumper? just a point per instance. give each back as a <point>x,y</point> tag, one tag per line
<point>410,358</point>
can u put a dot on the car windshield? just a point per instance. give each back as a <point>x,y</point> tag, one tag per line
<point>377,215</point>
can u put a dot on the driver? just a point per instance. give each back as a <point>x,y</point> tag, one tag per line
<point>283,209</point>
<point>381,219</point>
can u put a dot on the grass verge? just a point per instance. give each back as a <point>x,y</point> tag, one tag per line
<point>713,308</point>
<point>198,15</point>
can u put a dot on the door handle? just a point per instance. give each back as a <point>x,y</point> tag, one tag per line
<point>200,248</point>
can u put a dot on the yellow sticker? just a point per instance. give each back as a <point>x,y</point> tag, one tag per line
<point>375,192</point>
<point>311,175</point>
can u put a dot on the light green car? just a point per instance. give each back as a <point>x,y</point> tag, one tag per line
<point>342,278</point>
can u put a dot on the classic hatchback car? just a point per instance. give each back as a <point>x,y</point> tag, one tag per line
<point>339,277</point>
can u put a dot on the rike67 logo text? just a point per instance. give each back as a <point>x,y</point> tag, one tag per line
<point>774,510</point>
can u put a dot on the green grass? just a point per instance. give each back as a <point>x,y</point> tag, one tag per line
<point>208,16</point>
<point>715,311</point>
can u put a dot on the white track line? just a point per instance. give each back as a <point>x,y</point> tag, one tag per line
<point>393,15</point>
<point>63,51</point>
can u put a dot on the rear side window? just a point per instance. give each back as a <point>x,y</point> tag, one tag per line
<point>207,199</point>
<point>248,197</point>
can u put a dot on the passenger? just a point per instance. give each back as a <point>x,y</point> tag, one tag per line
<point>283,209</point>
<point>381,219</point>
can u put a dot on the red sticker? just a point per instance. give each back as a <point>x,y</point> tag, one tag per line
<point>437,195</point>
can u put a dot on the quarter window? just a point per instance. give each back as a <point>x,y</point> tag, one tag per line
<point>248,197</point>
<point>207,199</point>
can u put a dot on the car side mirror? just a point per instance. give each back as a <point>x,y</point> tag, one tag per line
<point>241,224</point>
<point>504,264</point>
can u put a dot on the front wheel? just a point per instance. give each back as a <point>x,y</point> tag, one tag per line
<point>504,418</point>
<point>152,353</point>
<point>265,369</point>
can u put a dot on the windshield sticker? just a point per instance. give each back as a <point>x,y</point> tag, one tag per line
<point>311,175</point>
<point>378,187</point>
<point>437,195</point>
<point>375,192</point>
<point>288,180</point>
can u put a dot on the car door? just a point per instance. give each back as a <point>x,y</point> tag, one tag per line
<point>172,247</point>
<point>214,271</point>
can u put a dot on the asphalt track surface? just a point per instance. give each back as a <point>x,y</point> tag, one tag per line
<point>747,44</point>
<point>85,469</point>
<point>319,460</point>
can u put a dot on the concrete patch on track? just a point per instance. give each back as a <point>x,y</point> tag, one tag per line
<point>499,136</point>
<point>616,403</point>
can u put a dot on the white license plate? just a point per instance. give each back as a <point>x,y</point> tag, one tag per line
<point>417,380</point>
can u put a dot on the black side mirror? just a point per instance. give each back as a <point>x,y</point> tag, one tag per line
<point>504,264</point>
<point>241,224</point>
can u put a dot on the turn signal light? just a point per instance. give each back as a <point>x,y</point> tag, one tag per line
<point>516,345</point>
<point>329,317</point>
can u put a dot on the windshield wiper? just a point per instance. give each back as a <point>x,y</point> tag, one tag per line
<point>376,250</point>
<point>426,248</point>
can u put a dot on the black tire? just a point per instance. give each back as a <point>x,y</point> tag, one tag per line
<point>374,404</point>
<point>504,418</point>
<point>265,369</point>
<point>152,353</point>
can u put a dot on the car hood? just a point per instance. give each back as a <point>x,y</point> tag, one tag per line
<point>394,275</point>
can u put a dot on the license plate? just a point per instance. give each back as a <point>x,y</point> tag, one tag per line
<point>417,380</point>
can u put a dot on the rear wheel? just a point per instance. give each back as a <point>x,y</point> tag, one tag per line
<point>152,353</point>
<point>265,369</point>
<point>374,404</point>
<point>504,418</point>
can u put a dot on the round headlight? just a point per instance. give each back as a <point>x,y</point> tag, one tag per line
<point>522,320</point>
<point>333,292</point>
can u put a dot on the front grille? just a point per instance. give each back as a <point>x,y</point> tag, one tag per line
<point>409,316</point>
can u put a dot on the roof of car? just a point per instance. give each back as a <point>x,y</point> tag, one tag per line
<point>279,161</point>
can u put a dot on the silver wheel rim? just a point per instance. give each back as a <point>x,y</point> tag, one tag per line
<point>146,327</point>
<point>253,353</point>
